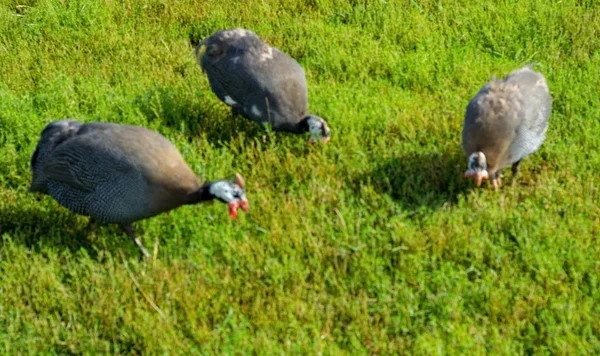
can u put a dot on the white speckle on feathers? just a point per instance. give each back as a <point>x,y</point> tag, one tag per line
<point>229,101</point>
<point>266,54</point>
<point>238,32</point>
<point>255,111</point>
<point>542,83</point>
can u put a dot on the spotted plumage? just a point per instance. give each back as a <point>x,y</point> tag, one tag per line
<point>505,122</point>
<point>119,173</point>
<point>259,82</point>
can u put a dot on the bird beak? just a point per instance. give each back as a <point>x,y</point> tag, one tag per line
<point>478,179</point>
<point>312,140</point>
<point>244,205</point>
<point>477,176</point>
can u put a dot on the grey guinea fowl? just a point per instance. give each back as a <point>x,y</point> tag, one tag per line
<point>505,122</point>
<point>259,82</point>
<point>120,174</point>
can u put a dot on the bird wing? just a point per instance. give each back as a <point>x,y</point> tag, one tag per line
<point>536,106</point>
<point>489,126</point>
<point>275,83</point>
<point>84,162</point>
<point>238,79</point>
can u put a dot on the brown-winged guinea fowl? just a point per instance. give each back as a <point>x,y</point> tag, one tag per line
<point>120,174</point>
<point>505,122</point>
<point>259,82</point>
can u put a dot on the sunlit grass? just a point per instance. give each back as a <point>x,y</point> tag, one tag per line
<point>373,243</point>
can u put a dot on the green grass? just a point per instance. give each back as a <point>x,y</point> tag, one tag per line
<point>373,243</point>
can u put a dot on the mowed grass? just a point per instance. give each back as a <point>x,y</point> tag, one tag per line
<point>373,243</point>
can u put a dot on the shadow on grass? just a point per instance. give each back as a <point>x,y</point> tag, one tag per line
<point>185,114</point>
<point>57,228</point>
<point>418,180</point>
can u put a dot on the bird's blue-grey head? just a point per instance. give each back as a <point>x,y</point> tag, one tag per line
<point>52,135</point>
<point>477,167</point>
<point>319,131</point>
<point>231,193</point>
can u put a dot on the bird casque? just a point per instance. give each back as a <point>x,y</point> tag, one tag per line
<point>505,122</point>
<point>259,82</point>
<point>121,174</point>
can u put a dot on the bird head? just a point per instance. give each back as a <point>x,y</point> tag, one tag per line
<point>231,193</point>
<point>477,168</point>
<point>319,131</point>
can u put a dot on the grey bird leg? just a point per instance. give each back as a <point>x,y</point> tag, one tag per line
<point>515,171</point>
<point>128,228</point>
<point>515,167</point>
<point>91,225</point>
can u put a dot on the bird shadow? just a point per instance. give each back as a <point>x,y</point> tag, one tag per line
<point>40,229</point>
<point>418,179</point>
<point>184,113</point>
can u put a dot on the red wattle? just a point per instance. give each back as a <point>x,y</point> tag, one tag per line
<point>233,210</point>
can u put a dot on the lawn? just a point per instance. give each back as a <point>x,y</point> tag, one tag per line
<point>371,244</point>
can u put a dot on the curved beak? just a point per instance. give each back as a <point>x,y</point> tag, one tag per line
<point>245,205</point>
<point>325,139</point>
<point>478,177</point>
<point>478,180</point>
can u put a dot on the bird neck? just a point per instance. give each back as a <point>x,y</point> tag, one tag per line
<point>201,195</point>
<point>303,124</point>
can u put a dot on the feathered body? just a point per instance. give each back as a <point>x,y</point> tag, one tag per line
<point>120,173</point>
<point>507,120</point>
<point>258,81</point>
<point>113,173</point>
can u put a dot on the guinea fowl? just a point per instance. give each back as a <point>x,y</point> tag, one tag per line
<point>505,122</point>
<point>259,82</point>
<point>120,174</point>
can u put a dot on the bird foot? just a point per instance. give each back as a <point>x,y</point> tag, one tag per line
<point>128,228</point>
<point>496,183</point>
<point>143,251</point>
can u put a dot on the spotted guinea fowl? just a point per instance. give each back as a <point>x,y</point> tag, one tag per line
<point>259,82</point>
<point>120,174</point>
<point>505,122</point>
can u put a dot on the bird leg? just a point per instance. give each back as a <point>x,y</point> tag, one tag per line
<point>515,167</point>
<point>515,171</point>
<point>91,225</point>
<point>128,228</point>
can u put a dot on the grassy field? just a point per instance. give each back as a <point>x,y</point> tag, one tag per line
<point>373,243</point>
